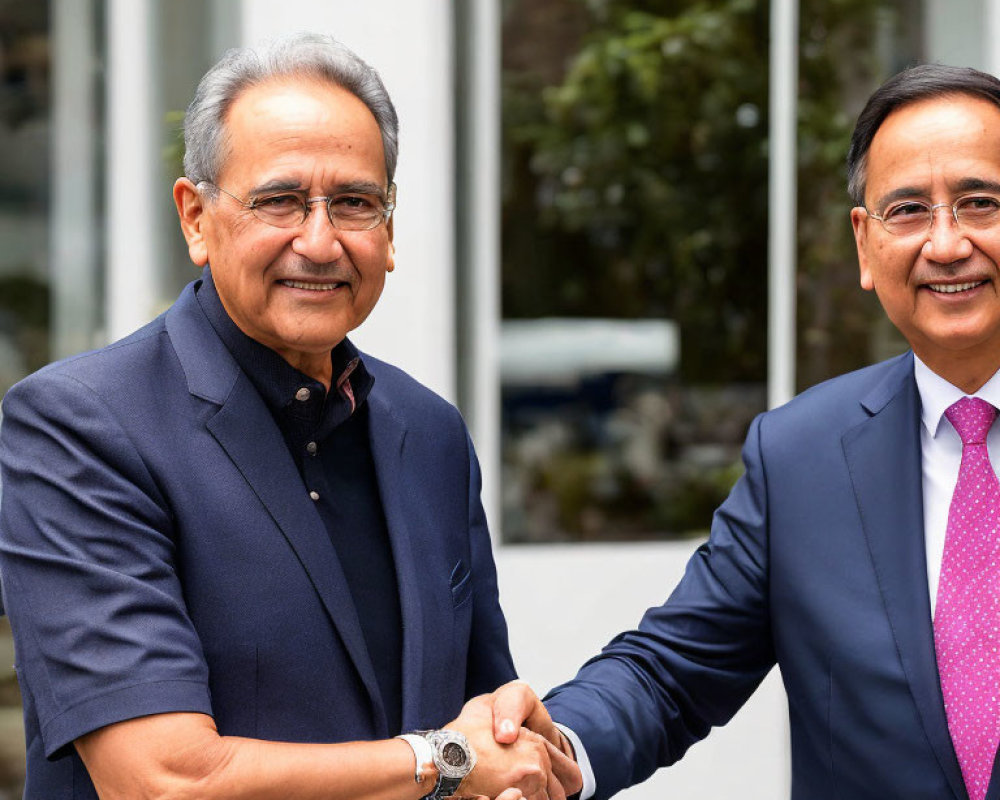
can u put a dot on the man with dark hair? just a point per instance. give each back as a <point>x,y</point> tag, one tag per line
<point>860,551</point>
<point>238,555</point>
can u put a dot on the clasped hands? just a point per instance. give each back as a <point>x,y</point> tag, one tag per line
<point>521,754</point>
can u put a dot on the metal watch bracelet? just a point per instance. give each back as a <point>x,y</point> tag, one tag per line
<point>423,755</point>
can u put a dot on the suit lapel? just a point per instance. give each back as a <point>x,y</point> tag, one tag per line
<point>884,458</point>
<point>264,461</point>
<point>388,436</point>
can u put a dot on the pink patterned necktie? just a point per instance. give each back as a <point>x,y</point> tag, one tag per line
<point>966,620</point>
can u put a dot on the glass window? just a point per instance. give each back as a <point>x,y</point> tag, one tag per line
<point>634,263</point>
<point>634,236</point>
<point>24,188</point>
<point>191,36</point>
<point>846,50</point>
<point>25,278</point>
<point>52,174</point>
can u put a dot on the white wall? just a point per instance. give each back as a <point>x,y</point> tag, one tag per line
<point>565,602</point>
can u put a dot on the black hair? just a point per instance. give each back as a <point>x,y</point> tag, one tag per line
<point>922,82</point>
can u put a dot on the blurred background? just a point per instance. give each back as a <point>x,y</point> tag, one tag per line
<point>622,232</point>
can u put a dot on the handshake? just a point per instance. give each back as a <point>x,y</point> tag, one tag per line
<point>520,753</point>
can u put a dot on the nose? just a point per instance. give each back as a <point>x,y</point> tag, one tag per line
<point>946,241</point>
<point>316,238</point>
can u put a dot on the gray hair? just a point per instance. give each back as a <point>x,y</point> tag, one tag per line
<point>206,144</point>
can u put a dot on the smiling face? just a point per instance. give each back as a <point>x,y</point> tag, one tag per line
<point>296,290</point>
<point>941,288</point>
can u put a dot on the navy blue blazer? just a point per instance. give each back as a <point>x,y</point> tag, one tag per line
<point>815,561</point>
<point>159,552</point>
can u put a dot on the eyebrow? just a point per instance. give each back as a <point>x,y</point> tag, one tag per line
<point>276,185</point>
<point>362,187</point>
<point>898,194</point>
<point>978,185</point>
<point>285,185</point>
<point>964,185</point>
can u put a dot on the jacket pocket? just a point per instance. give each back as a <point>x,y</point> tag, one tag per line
<point>461,584</point>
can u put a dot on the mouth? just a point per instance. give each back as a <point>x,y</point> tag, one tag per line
<point>313,287</point>
<point>954,288</point>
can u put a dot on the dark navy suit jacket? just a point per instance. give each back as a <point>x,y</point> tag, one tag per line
<point>816,561</point>
<point>159,552</point>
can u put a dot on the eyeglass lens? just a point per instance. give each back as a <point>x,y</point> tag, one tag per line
<point>975,211</point>
<point>347,212</point>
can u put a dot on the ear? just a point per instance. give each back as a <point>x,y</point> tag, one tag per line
<point>390,261</point>
<point>859,222</point>
<point>191,211</point>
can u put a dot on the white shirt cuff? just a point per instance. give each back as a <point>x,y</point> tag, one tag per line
<point>589,782</point>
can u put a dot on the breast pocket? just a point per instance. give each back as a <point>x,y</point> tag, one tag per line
<point>461,630</point>
<point>461,584</point>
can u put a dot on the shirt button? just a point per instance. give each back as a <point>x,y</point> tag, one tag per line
<point>314,495</point>
<point>302,394</point>
<point>311,448</point>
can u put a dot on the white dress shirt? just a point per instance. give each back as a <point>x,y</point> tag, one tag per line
<point>941,456</point>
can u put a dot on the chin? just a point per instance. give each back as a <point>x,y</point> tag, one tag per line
<point>312,338</point>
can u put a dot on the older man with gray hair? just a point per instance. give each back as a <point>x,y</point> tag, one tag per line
<point>240,558</point>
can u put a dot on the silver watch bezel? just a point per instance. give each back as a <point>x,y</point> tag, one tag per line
<point>440,739</point>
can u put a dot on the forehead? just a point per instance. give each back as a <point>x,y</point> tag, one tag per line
<point>303,127</point>
<point>937,142</point>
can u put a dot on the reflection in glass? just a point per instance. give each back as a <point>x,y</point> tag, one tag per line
<point>634,201</point>
<point>25,142</point>
<point>24,189</point>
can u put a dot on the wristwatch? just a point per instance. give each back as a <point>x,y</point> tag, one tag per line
<point>453,757</point>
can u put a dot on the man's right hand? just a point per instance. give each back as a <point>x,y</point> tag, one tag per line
<point>526,760</point>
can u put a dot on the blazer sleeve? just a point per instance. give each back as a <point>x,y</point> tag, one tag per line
<point>88,569</point>
<point>490,663</point>
<point>692,662</point>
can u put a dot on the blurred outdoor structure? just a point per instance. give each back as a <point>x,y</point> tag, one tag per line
<point>583,249</point>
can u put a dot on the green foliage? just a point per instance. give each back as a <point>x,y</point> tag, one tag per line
<point>173,151</point>
<point>24,314</point>
<point>648,166</point>
<point>635,186</point>
<point>839,67</point>
<point>636,181</point>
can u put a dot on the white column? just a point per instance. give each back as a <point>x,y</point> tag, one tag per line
<point>482,121</point>
<point>410,45</point>
<point>75,181</point>
<point>225,18</point>
<point>132,157</point>
<point>991,33</point>
<point>782,197</point>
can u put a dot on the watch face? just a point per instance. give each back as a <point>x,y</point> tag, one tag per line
<point>453,754</point>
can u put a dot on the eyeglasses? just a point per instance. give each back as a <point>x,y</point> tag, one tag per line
<point>346,212</point>
<point>910,217</point>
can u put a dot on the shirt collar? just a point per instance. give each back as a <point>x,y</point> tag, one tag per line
<point>936,394</point>
<point>276,379</point>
